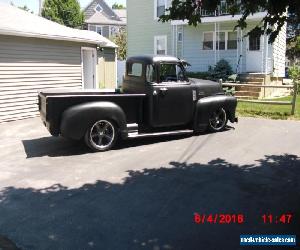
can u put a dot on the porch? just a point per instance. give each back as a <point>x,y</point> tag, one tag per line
<point>215,39</point>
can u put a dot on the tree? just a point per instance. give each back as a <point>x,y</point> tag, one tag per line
<point>293,48</point>
<point>121,40</point>
<point>271,24</point>
<point>118,6</point>
<point>24,7</point>
<point>66,12</point>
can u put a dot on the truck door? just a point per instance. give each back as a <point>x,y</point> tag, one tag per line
<point>172,97</point>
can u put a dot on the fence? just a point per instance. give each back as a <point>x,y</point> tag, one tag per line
<point>292,86</point>
<point>121,72</point>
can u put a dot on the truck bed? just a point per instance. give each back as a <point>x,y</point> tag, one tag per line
<point>53,103</point>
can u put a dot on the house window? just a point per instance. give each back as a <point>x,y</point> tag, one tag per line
<point>160,7</point>
<point>99,29</point>
<point>208,41</point>
<point>254,42</point>
<point>179,36</point>
<point>232,40</point>
<point>98,8</point>
<point>220,42</point>
<point>95,28</point>
<point>160,45</point>
<point>135,69</point>
<point>113,30</point>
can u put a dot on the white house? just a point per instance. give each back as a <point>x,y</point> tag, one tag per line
<point>212,40</point>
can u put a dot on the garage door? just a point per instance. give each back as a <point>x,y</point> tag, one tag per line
<point>29,65</point>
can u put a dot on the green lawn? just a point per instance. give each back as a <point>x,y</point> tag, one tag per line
<point>269,111</point>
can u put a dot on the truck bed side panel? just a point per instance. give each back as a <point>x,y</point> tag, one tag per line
<point>56,105</point>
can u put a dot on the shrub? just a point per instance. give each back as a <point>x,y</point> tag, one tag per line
<point>222,70</point>
<point>294,73</point>
<point>199,75</point>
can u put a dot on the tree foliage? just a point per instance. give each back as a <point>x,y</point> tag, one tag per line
<point>121,40</point>
<point>24,7</point>
<point>293,48</point>
<point>66,12</point>
<point>118,6</point>
<point>271,24</point>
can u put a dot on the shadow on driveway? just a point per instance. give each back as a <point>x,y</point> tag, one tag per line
<point>58,146</point>
<point>154,208</point>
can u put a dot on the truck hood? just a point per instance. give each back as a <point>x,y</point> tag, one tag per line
<point>207,87</point>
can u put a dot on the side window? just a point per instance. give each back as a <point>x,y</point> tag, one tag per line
<point>220,43</point>
<point>150,73</point>
<point>232,40</point>
<point>170,72</point>
<point>135,69</point>
<point>208,41</point>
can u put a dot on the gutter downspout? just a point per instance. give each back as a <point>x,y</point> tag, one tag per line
<point>267,54</point>
<point>214,39</point>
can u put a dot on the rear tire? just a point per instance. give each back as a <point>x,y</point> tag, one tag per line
<point>217,120</point>
<point>101,136</point>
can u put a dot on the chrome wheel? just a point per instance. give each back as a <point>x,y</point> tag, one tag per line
<point>218,120</point>
<point>101,136</point>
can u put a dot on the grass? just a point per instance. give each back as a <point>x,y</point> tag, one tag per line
<point>282,112</point>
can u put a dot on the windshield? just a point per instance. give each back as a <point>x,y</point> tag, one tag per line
<point>172,72</point>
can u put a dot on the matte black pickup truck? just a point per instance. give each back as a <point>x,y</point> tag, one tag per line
<point>156,98</point>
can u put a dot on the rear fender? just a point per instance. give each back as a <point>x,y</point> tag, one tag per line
<point>207,105</point>
<point>77,119</point>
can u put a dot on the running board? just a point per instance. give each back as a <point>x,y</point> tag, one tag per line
<point>176,132</point>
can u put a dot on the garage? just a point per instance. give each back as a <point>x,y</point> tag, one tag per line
<point>37,54</point>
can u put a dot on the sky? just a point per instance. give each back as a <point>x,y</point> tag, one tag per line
<point>34,4</point>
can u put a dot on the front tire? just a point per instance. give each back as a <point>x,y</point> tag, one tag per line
<point>101,136</point>
<point>217,120</point>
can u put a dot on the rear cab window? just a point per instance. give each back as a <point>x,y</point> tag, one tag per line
<point>135,69</point>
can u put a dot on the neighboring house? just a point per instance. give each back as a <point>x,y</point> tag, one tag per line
<point>37,54</point>
<point>206,44</point>
<point>104,20</point>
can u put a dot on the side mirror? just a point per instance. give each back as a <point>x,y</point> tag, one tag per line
<point>185,63</point>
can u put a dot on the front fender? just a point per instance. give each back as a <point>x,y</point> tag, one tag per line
<point>207,105</point>
<point>77,119</point>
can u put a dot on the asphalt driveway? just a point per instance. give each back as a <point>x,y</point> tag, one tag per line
<point>56,194</point>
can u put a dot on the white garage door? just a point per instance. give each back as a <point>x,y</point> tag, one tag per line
<point>29,65</point>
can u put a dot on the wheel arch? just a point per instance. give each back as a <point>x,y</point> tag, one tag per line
<point>205,106</point>
<point>77,119</point>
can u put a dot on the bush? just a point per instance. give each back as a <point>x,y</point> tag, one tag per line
<point>199,75</point>
<point>294,74</point>
<point>222,70</point>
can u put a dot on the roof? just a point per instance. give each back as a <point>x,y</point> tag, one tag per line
<point>122,13</point>
<point>100,18</point>
<point>17,22</point>
<point>153,58</point>
<point>225,18</point>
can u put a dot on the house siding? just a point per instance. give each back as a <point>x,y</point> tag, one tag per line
<point>279,49</point>
<point>28,65</point>
<point>201,59</point>
<point>142,28</point>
